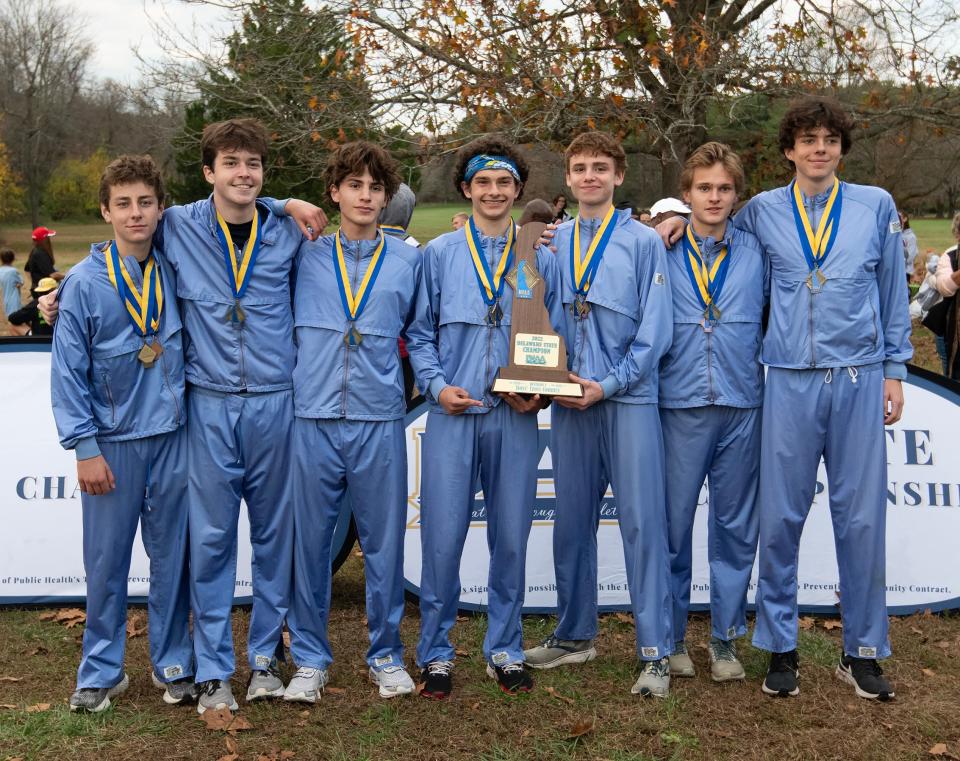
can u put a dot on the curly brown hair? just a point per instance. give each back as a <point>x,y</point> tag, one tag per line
<point>353,159</point>
<point>814,111</point>
<point>234,135</point>
<point>492,145</point>
<point>127,169</point>
<point>596,144</point>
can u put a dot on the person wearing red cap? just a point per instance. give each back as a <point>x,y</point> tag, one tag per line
<point>40,262</point>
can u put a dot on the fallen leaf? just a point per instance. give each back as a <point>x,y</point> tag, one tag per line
<point>229,757</point>
<point>136,626</point>
<point>940,749</point>
<point>887,724</point>
<point>475,706</point>
<point>461,653</point>
<point>831,623</point>
<point>806,622</point>
<point>358,553</point>
<point>944,645</point>
<point>38,708</point>
<point>582,727</point>
<point>39,650</point>
<point>928,672</point>
<point>917,630</point>
<point>218,719</point>
<point>71,616</point>
<point>11,679</point>
<point>286,639</point>
<point>623,618</point>
<point>305,714</point>
<point>231,745</point>
<point>285,754</point>
<point>8,706</point>
<point>334,690</point>
<point>552,692</point>
<point>239,724</point>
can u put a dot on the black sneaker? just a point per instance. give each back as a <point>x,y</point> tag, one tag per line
<point>512,678</point>
<point>866,676</point>
<point>437,680</point>
<point>782,675</point>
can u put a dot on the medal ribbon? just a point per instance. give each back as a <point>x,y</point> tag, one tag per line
<point>239,273</point>
<point>353,305</point>
<point>584,269</point>
<point>145,306</point>
<point>816,246</point>
<point>491,284</point>
<point>393,230</point>
<point>707,281</point>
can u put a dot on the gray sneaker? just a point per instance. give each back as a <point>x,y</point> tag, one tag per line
<point>680,662</point>
<point>553,652</point>
<point>177,691</point>
<point>392,681</point>
<point>654,679</point>
<point>97,699</point>
<point>215,694</point>
<point>264,683</point>
<point>724,666</point>
<point>306,686</point>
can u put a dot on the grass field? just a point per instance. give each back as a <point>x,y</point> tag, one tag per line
<point>584,712</point>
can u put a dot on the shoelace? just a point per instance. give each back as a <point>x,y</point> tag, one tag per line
<point>512,668</point>
<point>550,642</point>
<point>305,672</point>
<point>723,650</point>
<point>783,662</point>
<point>655,668</point>
<point>210,687</point>
<point>439,668</point>
<point>866,667</point>
<point>391,669</point>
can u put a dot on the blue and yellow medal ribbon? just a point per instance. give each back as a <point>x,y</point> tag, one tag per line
<point>816,246</point>
<point>584,268</point>
<point>239,272</point>
<point>144,306</point>
<point>353,304</point>
<point>707,281</point>
<point>491,283</point>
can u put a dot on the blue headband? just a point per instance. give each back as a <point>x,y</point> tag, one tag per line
<point>483,161</point>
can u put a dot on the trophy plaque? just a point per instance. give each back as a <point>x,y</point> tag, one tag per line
<point>538,356</point>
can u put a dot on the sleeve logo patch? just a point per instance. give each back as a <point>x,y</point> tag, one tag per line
<point>659,279</point>
<point>895,227</point>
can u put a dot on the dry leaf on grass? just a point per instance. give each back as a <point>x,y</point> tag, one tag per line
<point>136,626</point>
<point>944,645</point>
<point>475,706</point>
<point>69,617</point>
<point>276,755</point>
<point>831,624</point>
<point>581,728</point>
<point>231,745</point>
<point>623,618</point>
<point>229,757</point>
<point>11,679</point>
<point>38,708</point>
<point>286,639</point>
<point>222,719</point>
<point>928,672</point>
<point>940,751</point>
<point>358,553</point>
<point>334,690</point>
<point>38,650</point>
<point>461,653</point>
<point>807,622</point>
<point>552,692</point>
<point>8,706</point>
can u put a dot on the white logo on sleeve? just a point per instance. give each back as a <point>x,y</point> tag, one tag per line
<point>867,652</point>
<point>895,227</point>
<point>659,279</point>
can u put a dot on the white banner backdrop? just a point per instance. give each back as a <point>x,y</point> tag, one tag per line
<point>923,522</point>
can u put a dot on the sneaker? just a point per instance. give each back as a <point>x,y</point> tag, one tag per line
<point>681,664</point>
<point>512,678</point>
<point>866,676</point>
<point>654,679</point>
<point>392,681</point>
<point>306,686</point>
<point>97,699</point>
<point>724,666</point>
<point>554,652</point>
<point>177,691</point>
<point>215,694</point>
<point>264,683</point>
<point>437,680</point>
<point>782,675</point>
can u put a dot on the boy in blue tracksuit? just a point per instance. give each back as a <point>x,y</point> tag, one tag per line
<point>355,294</point>
<point>617,326</point>
<point>457,342</point>
<point>836,348</point>
<point>118,400</point>
<point>711,390</point>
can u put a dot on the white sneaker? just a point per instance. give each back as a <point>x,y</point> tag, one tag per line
<point>654,679</point>
<point>306,686</point>
<point>392,680</point>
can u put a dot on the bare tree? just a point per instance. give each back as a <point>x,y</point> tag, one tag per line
<point>43,59</point>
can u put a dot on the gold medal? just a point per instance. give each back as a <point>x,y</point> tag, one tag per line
<point>353,338</point>
<point>147,355</point>
<point>819,277</point>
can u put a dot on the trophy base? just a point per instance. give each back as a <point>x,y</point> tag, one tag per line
<point>544,388</point>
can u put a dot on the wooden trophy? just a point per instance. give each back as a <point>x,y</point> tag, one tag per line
<point>538,356</point>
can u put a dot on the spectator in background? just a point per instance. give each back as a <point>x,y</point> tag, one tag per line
<point>395,218</point>
<point>643,215</point>
<point>948,281</point>
<point>27,321</point>
<point>909,238</point>
<point>459,220</point>
<point>10,282</point>
<point>560,209</point>
<point>536,210</point>
<point>40,263</point>
<point>666,208</point>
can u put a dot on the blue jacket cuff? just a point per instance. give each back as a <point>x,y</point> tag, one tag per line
<point>894,370</point>
<point>87,448</point>
<point>437,384</point>
<point>610,386</point>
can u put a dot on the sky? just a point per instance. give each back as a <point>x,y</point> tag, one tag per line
<point>118,27</point>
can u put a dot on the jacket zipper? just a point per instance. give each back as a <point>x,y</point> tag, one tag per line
<point>113,407</point>
<point>346,344</point>
<point>710,395</point>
